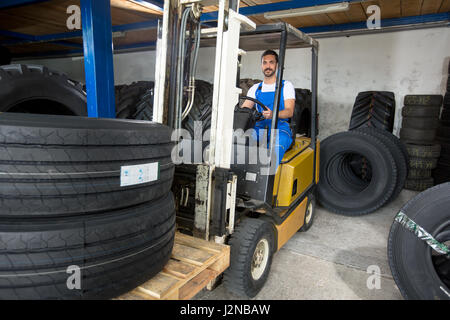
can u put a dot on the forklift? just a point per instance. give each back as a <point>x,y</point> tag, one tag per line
<point>253,207</point>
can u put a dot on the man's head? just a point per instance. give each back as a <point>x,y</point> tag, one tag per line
<point>269,62</point>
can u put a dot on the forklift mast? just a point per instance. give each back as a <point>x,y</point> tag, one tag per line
<point>214,185</point>
<point>211,185</point>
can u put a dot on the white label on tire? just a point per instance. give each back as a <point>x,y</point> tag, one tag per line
<point>250,176</point>
<point>138,174</point>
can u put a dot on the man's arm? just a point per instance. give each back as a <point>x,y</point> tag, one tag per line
<point>286,113</point>
<point>250,93</point>
<point>248,104</point>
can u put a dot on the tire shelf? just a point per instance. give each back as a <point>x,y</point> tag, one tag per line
<point>194,264</point>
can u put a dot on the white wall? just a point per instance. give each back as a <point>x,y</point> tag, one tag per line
<point>406,62</point>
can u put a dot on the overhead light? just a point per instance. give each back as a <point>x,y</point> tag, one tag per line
<point>307,11</point>
<point>146,4</point>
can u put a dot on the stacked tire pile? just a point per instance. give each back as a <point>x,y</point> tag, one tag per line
<point>442,172</point>
<point>419,126</point>
<point>71,200</point>
<point>67,200</point>
<point>366,167</point>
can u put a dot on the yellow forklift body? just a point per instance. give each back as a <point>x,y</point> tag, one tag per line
<point>292,224</point>
<point>295,173</point>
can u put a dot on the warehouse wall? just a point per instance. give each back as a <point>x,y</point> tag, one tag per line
<point>404,62</point>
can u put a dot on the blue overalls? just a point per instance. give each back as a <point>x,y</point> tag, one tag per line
<point>284,136</point>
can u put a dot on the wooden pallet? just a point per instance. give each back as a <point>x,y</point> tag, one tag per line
<point>193,265</point>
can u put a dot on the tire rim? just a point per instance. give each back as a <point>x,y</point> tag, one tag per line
<point>441,263</point>
<point>260,259</point>
<point>309,213</point>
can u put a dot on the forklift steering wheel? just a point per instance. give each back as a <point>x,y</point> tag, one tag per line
<point>258,116</point>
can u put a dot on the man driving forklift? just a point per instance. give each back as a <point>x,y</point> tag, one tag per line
<point>265,92</point>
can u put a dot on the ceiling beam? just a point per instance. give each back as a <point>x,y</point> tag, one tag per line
<point>277,6</point>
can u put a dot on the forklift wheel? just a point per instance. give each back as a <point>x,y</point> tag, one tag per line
<point>252,248</point>
<point>309,214</point>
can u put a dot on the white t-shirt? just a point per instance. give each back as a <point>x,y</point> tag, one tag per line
<point>288,90</point>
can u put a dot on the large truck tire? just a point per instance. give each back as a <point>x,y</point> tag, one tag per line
<point>128,97</point>
<point>421,111</point>
<point>65,202</point>
<point>60,165</point>
<point>417,136</point>
<point>420,272</point>
<point>373,109</point>
<point>112,251</point>
<point>339,193</point>
<point>36,89</point>
<point>423,100</point>
<point>401,161</point>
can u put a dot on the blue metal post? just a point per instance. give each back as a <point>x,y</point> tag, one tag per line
<point>98,57</point>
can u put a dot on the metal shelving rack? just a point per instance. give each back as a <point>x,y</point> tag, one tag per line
<point>98,50</point>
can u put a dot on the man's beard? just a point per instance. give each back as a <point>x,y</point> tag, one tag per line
<point>272,72</point>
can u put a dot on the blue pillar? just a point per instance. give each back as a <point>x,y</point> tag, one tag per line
<point>98,57</point>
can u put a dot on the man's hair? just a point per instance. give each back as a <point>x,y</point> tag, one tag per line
<point>270,53</point>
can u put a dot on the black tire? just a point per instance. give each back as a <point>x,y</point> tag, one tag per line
<point>412,263</point>
<point>443,132</point>
<point>373,109</point>
<point>420,123</point>
<point>421,111</point>
<point>5,56</point>
<point>417,136</point>
<point>419,184</point>
<point>445,149</point>
<point>419,151</point>
<point>246,84</point>
<point>423,163</point>
<point>128,97</point>
<point>309,214</point>
<point>60,165</point>
<point>415,174</point>
<point>341,195</point>
<point>423,100</point>
<point>36,89</point>
<point>116,251</point>
<point>144,108</point>
<point>447,99</point>
<point>301,120</point>
<point>441,175</point>
<point>201,109</point>
<point>401,161</point>
<point>238,277</point>
<point>445,115</point>
<point>445,158</point>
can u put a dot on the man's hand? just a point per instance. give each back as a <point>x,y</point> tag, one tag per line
<point>267,114</point>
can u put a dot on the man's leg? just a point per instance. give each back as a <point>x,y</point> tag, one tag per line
<point>282,143</point>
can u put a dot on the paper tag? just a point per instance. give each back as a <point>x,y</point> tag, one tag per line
<point>250,176</point>
<point>138,174</point>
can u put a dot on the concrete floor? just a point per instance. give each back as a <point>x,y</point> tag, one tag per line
<point>330,261</point>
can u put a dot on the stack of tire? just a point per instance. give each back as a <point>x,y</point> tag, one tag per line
<point>442,172</point>
<point>77,218</point>
<point>419,126</point>
<point>365,168</point>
